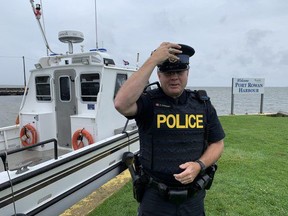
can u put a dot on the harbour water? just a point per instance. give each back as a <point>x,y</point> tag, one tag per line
<point>9,109</point>
<point>275,100</point>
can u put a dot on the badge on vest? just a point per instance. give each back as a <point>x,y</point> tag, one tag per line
<point>162,105</point>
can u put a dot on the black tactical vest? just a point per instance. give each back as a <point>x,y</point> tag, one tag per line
<point>176,135</point>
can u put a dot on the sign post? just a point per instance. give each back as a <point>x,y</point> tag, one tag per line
<point>247,86</point>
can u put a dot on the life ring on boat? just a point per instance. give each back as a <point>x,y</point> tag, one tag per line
<point>28,135</point>
<point>77,138</point>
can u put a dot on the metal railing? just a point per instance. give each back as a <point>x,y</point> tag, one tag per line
<point>4,154</point>
<point>8,135</point>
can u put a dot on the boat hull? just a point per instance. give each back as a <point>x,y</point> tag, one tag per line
<point>55,185</point>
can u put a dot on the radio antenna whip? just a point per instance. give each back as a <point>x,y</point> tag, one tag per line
<point>96,30</point>
<point>37,13</point>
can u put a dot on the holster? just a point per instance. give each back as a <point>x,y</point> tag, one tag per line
<point>205,180</point>
<point>211,172</point>
<point>141,182</point>
<point>139,189</point>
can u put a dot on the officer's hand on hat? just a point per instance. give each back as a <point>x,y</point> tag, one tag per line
<point>166,51</point>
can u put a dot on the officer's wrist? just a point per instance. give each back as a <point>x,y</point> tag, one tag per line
<point>202,165</point>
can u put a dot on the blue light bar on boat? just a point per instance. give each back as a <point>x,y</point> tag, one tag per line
<point>100,50</point>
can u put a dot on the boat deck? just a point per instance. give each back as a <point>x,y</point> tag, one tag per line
<point>30,158</point>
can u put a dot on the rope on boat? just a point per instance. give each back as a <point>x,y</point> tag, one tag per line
<point>10,181</point>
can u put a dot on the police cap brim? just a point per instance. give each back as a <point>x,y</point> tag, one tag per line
<point>181,64</point>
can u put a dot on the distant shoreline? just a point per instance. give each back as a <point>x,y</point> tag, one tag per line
<point>12,91</point>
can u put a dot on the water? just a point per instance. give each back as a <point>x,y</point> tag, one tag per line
<point>9,109</point>
<point>275,100</point>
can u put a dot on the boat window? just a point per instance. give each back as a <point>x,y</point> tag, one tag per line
<point>43,92</point>
<point>120,79</point>
<point>90,84</point>
<point>65,88</point>
<point>108,61</point>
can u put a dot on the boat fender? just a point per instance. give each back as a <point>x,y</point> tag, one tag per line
<point>77,138</point>
<point>28,135</point>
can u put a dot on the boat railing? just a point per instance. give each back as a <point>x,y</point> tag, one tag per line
<point>9,136</point>
<point>4,154</point>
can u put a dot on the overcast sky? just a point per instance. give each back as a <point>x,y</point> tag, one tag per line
<point>232,38</point>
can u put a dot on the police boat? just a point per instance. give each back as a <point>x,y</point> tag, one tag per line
<point>69,139</point>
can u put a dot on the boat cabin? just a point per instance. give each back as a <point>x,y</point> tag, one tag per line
<point>70,97</point>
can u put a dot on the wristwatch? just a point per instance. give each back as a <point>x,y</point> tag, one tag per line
<point>202,165</point>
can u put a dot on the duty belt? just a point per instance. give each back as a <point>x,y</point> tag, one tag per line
<point>174,194</point>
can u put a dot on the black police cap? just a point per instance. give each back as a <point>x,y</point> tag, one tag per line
<point>181,64</point>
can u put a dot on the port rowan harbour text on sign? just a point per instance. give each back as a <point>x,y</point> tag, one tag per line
<point>248,85</point>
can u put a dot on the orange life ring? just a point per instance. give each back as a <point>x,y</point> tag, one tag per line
<point>28,135</point>
<point>77,138</point>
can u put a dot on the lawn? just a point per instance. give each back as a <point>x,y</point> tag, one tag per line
<point>252,176</point>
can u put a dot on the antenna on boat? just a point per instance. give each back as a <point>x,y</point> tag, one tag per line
<point>37,13</point>
<point>96,28</point>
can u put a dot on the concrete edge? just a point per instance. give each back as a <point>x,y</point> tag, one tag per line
<point>96,198</point>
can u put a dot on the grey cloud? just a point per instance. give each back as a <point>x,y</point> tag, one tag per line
<point>223,19</point>
<point>229,37</point>
<point>255,36</point>
<point>283,57</point>
<point>244,60</point>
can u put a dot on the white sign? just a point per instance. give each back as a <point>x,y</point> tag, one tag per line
<point>248,85</point>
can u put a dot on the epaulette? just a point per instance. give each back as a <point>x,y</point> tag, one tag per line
<point>148,87</point>
<point>155,92</point>
<point>201,95</point>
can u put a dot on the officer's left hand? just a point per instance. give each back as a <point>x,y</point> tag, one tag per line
<point>191,170</point>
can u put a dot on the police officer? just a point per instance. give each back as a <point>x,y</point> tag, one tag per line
<point>172,124</point>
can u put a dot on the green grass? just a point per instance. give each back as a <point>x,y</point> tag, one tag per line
<point>252,176</point>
